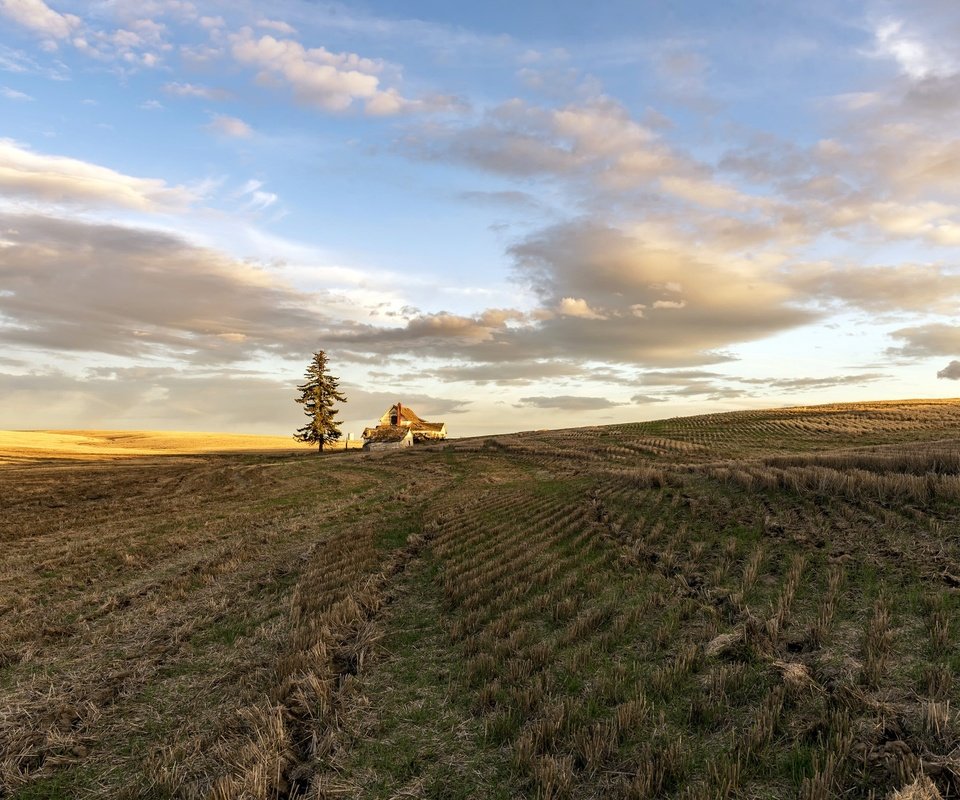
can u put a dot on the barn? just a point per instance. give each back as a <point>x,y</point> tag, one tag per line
<point>400,426</point>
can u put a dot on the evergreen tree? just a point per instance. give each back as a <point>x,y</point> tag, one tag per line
<point>317,395</point>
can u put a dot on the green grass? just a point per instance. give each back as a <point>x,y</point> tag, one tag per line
<point>418,728</point>
<point>67,784</point>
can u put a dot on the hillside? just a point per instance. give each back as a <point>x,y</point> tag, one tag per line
<point>759,605</point>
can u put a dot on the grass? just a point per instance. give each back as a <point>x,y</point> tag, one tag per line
<point>759,604</point>
<point>70,782</point>
<point>409,725</point>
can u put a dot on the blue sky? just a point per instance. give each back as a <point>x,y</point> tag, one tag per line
<point>508,215</point>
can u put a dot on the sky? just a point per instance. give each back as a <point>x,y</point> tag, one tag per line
<point>508,216</point>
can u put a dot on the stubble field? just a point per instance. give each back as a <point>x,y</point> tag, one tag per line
<point>753,605</point>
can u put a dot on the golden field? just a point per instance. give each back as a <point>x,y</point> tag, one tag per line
<point>94,445</point>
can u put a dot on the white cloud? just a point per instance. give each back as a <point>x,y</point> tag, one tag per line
<point>13,94</point>
<point>317,76</point>
<point>386,103</point>
<point>577,307</point>
<point>181,10</point>
<point>178,89</point>
<point>230,126</point>
<point>18,62</point>
<point>257,199</point>
<point>140,41</point>
<point>277,25</point>
<point>916,58</point>
<point>151,105</point>
<point>40,18</point>
<point>140,44</point>
<point>57,179</point>
<point>708,193</point>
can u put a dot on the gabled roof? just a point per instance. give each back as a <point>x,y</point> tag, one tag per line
<point>386,433</point>
<point>409,421</point>
<point>406,413</point>
<point>428,426</point>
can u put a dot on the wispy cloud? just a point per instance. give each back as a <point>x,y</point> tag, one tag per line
<point>317,76</point>
<point>178,89</point>
<point>331,81</point>
<point>232,127</point>
<point>254,196</point>
<point>38,17</point>
<point>18,62</point>
<point>569,402</point>
<point>277,25</point>
<point>916,57</point>
<point>13,94</point>
<point>30,175</point>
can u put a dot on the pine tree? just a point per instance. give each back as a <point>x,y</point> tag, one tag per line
<point>317,395</point>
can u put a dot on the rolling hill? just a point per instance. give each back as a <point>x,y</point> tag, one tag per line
<point>759,604</point>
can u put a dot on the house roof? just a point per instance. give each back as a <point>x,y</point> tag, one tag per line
<point>406,412</point>
<point>411,422</point>
<point>409,415</point>
<point>386,433</point>
<point>428,426</point>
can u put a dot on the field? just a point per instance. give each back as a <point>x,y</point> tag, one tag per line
<point>31,446</point>
<point>751,605</point>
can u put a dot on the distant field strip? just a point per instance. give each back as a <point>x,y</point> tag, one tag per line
<point>755,605</point>
<point>29,446</point>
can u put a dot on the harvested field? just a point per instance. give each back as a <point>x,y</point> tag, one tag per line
<point>755,605</point>
<point>33,446</point>
<point>95,445</point>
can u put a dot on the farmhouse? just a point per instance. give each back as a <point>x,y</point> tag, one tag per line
<point>401,427</point>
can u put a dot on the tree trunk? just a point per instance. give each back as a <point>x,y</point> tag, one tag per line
<point>320,446</point>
